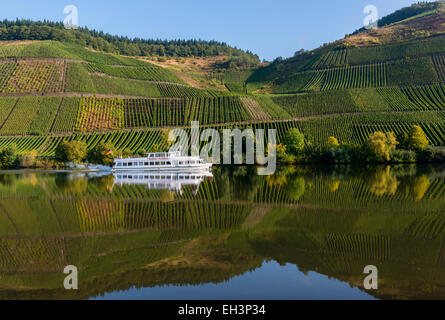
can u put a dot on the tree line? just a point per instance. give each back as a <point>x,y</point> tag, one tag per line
<point>98,40</point>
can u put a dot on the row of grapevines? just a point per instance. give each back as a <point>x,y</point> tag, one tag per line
<point>148,72</point>
<point>217,110</point>
<point>439,65</point>
<point>35,76</point>
<point>154,112</point>
<point>364,76</point>
<point>100,114</point>
<point>332,58</point>
<point>427,97</point>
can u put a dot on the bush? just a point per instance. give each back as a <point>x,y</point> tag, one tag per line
<point>379,146</point>
<point>333,142</point>
<point>103,153</point>
<point>28,160</point>
<point>417,139</point>
<point>9,157</point>
<point>294,141</point>
<point>126,153</point>
<point>340,154</point>
<point>429,154</point>
<point>403,156</point>
<point>72,151</point>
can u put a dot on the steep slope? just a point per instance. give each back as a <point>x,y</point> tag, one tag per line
<point>52,91</point>
<point>405,50</point>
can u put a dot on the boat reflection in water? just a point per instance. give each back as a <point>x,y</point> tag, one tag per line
<point>165,180</point>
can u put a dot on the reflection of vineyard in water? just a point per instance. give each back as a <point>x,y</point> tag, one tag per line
<point>333,221</point>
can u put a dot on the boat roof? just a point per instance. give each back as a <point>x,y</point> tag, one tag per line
<point>162,156</point>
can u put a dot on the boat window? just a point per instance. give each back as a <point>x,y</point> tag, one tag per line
<point>141,164</point>
<point>157,163</point>
<point>146,164</point>
<point>169,163</point>
<point>151,163</point>
<point>125,164</point>
<point>125,177</point>
<point>119,164</point>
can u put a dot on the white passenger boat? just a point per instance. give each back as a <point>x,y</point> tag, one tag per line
<point>172,181</point>
<point>167,161</point>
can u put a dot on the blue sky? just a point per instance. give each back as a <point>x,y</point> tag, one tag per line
<point>270,28</point>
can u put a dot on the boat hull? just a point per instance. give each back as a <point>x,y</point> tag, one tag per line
<point>204,167</point>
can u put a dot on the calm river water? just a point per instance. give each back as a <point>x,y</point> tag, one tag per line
<point>303,233</point>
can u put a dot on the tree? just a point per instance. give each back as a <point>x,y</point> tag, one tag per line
<point>103,153</point>
<point>72,151</point>
<point>333,142</point>
<point>294,141</point>
<point>9,157</point>
<point>28,160</point>
<point>417,139</point>
<point>380,145</point>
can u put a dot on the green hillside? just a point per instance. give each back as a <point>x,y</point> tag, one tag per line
<point>52,91</point>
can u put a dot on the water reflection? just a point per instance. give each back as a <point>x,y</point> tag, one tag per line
<point>172,181</point>
<point>157,232</point>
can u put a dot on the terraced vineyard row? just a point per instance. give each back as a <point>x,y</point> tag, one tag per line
<point>316,81</point>
<point>330,102</point>
<point>364,76</point>
<point>30,115</point>
<point>33,76</point>
<point>439,65</point>
<point>148,72</point>
<point>7,68</point>
<point>334,78</point>
<point>427,97</point>
<point>355,129</point>
<point>97,114</point>
<point>217,110</point>
<point>349,129</point>
<point>255,110</point>
<point>66,118</point>
<point>169,90</point>
<point>333,58</point>
<point>155,112</point>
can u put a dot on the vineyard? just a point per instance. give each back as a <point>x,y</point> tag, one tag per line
<point>66,118</point>
<point>169,90</point>
<point>32,76</point>
<point>30,115</point>
<point>349,129</point>
<point>149,72</point>
<point>217,110</point>
<point>333,58</point>
<point>439,64</point>
<point>96,114</point>
<point>155,112</point>
<point>364,76</point>
<point>51,91</point>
